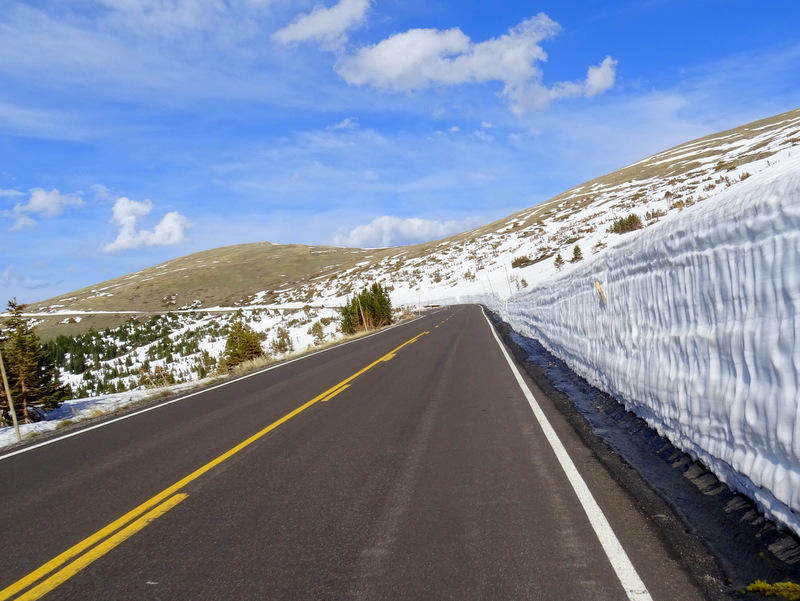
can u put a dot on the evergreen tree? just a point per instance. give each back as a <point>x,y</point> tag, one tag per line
<point>32,374</point>
<point>282,343</point>
<point>369,309</point>
<point>559,262</point>
<point>242,345</point>
<point>577,254</point>
<point>318,332</point>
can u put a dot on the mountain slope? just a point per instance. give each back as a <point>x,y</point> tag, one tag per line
<point>294,291</point>
<point>475,261</point>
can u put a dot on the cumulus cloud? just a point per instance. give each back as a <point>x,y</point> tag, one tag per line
<point>126,214</point>
<point>419,58</point>
<point>41,203</point>
<point>326,26</point>
<point>393,231</point>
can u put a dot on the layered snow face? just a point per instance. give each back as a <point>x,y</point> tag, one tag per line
<point>694,325</point>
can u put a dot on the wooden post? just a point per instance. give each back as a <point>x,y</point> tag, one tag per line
<point>8,396</point>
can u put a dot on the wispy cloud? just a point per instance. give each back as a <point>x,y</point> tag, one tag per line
<point>393,231</point>
<point>326,26</point>
<point>348,123</point>
<point>41,203</point>
<point>134,50</point>
<point>41,123</point>
<point>170,230</point>
<point>12,278</point>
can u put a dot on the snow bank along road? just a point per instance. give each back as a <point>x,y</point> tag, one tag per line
<point>412,464</point>
<point>695,325</point>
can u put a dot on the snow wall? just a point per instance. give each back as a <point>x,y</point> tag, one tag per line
<point>696,331</point>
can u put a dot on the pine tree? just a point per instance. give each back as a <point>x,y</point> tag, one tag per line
<point>559,262</point>
<point>318,332</point>
<point>32,374</point>
<point>242,345</point>
<point>577,254</point>
<point>283,342</point>
<point>369,309</point>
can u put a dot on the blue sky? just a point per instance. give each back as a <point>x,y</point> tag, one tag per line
<point>136,131</point>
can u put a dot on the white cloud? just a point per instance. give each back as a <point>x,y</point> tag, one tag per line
<point>419,58</point>
<point>126,214</point>
<point>325,25</point>
<point>601,77</point>
<point>393,231</point>
<point>42,203</point>
<point>348,123</point>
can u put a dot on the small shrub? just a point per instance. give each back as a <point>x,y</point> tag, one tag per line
<point>317,331</point>
<point>782,590</point>
<point>626,224</point>
<point>282,343</point>
<point>559,261</point>
<point>522,261</point>
<point>242,345</point>
<point>654,215</point>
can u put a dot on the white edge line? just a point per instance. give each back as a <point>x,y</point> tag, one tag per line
<point>628,577</point>
<point>193,394</point>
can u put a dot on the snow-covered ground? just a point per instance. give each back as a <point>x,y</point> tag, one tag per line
<point>81,409</point>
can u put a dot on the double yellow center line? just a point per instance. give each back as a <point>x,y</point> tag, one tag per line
<point>73,560</point>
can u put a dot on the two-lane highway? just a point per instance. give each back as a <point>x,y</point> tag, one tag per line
<point>413,464</point>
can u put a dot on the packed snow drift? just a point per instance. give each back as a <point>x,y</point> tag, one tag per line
<point>694,325</point>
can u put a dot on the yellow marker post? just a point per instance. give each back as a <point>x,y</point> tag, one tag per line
<point>602,294</point>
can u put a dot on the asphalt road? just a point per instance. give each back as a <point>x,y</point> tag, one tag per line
<point>406,465</point>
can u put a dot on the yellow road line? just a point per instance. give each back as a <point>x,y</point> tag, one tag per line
<point>97,552</point>
<point>88,542</point>
<point>334,393</point>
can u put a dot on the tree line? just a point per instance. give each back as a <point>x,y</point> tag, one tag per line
<point>33,366</point>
